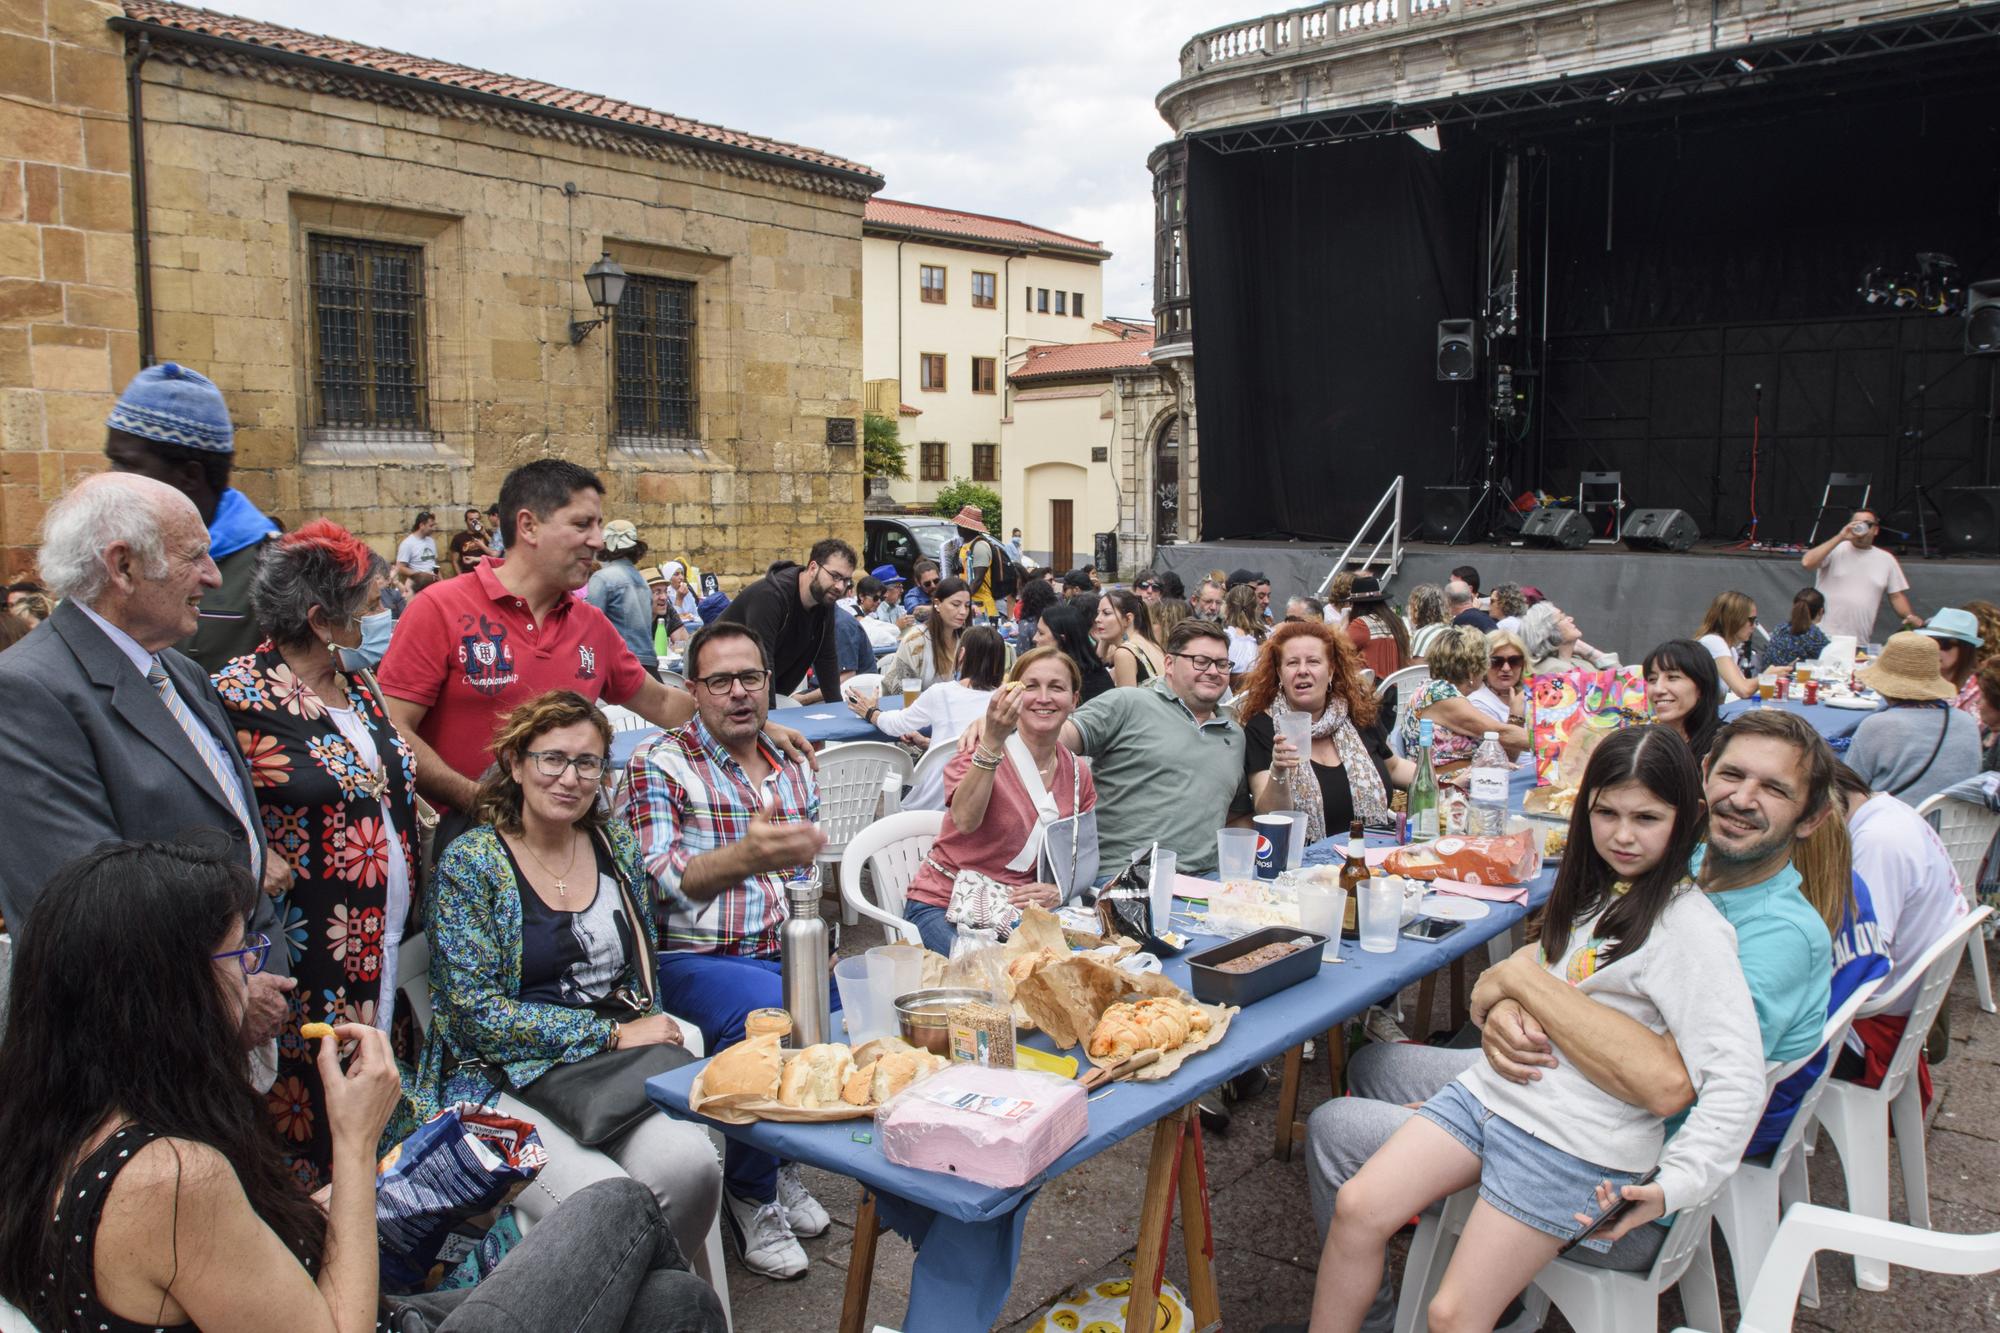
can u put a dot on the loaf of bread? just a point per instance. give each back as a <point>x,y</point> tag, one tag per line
<point>870,1051</point>
<point>876,1082</point>
<point>816,1076</point>
<point>749,1067</point>
<point>1159,1023</point>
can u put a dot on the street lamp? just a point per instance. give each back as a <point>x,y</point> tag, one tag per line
<point>605,281</point>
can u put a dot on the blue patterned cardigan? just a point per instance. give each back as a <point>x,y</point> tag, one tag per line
<point>473,917</point>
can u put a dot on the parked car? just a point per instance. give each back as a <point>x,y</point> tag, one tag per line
<point>903,539</point>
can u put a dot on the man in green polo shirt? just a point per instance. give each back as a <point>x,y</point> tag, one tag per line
<point>1167,763</point>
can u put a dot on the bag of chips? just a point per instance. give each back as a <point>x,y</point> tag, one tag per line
<point>1511,858</point>
<point>463,1161</point>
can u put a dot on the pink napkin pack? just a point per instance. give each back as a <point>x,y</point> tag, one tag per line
<point>1000,1127</point>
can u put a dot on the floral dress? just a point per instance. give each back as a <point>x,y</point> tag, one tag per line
<point>323,807</point>
<point>1447,746</point>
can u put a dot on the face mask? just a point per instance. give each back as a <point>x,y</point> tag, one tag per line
<point>375,632</point>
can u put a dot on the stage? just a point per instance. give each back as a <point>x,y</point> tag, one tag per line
<point>1624,601</point>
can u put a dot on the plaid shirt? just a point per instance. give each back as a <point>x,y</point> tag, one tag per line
<point>690,796</point>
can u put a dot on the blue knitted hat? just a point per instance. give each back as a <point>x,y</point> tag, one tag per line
<point>174,405</point>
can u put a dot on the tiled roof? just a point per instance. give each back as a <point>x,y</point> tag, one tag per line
<point>894,215</point>
<point>905,410</point>
<point>1075,360</point>
<point>532,92</point>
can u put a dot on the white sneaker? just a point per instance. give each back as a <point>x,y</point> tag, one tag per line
<point>802,1210</point>
<point>764,1237</point>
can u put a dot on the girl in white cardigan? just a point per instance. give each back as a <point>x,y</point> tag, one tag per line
<point>1626,925</point>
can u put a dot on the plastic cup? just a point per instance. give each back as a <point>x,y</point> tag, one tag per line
<point>1381,913</point>
<point>1297,728</point>
<point>910,693</point>
<point>1321,907</point>
<point>905,963</point>
<point>1160,889</point>
<point>1235,855</point>
<point>859,990</point>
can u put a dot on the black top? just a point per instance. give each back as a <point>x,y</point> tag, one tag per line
<point>795,637</point>
<point>1260,736</point>
<point>577,958</point>
<point>69,1303</point>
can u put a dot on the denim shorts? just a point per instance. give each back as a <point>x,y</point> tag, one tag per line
<point>1532,1182</point>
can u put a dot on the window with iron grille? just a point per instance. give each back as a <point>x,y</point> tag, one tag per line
<point>986,462</point>
<point>984,287</point>
<point>931,372</point>
<point>933,461</point>
<point>367,330</point>
<point>930,279</point>
<point>653,332</point>
<point>982,374</point>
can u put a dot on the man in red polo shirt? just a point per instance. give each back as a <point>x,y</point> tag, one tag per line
<point>472,647</point>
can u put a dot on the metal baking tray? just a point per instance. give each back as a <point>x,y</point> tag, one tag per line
<point>1212,986</point>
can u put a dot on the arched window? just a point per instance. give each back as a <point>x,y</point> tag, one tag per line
<point>1167,482</point>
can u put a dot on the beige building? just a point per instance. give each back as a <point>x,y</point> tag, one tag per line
<point>949,300</point>
<point>379,258</point>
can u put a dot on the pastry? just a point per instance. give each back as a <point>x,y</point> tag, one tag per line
<point>1159,1024</point>
<point>815,1077</point>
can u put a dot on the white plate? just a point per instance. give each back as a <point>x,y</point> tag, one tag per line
<point>1856,705</point>
<point>1451,907</point>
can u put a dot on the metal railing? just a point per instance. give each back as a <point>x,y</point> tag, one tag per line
<point>1392,537</point>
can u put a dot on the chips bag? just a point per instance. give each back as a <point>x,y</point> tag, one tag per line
<point>463,1161</point>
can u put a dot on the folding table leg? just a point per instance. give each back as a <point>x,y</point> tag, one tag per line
<point>860,1267</point>
<point>1336,1059</point>
<point>1156,1219</point>
<point>1427,991</point>
<point>1288,1102</point>
<point>1461,1012</point>
<point>1197,1232</point>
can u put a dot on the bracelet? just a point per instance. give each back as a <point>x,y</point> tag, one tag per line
<point>616,1030</point>
<point>870,718</point>
<point>993,756</point>
<point>981,760</point>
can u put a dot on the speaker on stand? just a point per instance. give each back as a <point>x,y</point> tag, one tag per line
<point>1457,349</point>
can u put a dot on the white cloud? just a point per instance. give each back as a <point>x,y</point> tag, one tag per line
<point>1042,115</point>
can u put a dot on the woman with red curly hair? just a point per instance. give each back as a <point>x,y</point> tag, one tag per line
<point>336,792</point>
<point>1312,669</point>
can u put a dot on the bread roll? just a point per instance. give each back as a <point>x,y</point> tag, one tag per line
<point>869,1052</point>
<point>893,1073</point>
<point>814,1078</point>
<point>749,1067</point>
<point>855,1092</point>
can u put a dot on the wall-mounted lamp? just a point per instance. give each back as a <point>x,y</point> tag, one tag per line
<point>605,282</point>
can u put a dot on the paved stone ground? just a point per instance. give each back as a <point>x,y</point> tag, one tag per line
<point>1081,1227</point>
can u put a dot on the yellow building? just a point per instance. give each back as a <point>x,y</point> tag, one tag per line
<point>380,258</point>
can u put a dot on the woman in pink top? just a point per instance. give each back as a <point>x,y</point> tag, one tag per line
<point>1018,806</point>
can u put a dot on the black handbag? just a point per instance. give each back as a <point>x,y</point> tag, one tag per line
<point>600,1097</point>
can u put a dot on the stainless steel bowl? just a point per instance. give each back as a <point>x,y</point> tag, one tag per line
<point>922,1015</point>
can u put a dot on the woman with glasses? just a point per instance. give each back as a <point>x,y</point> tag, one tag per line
<point>336,791</point>
<point>534,962</point>
<point>1731,619</point>
<point>142,1188</point>
<point>1501,695</point>
<point>929,652</point>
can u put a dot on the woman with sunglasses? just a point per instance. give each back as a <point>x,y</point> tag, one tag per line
<point>1728,625</point>
<point>532,952</point>
<point>336,791</point>
<point>1502,696</point>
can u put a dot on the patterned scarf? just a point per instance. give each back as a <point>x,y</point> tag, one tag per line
<point>1364,781</point>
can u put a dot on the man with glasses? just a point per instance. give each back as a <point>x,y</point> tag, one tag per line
<point>924,576</point>
<point>1854,574</point>
<point>791,610</point>
<point>722,818</point>
<point>1208,600</point>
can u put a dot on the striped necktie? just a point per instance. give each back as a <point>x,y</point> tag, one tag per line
<point>206,746</point>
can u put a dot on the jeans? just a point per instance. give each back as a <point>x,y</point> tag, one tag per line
<point>939,934</point>
<point>604,1262</point>
<point>716,992</point>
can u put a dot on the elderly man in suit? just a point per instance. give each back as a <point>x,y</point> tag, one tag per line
<point>112,734</point>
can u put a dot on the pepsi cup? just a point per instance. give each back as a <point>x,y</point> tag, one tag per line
<point>1274,842</point>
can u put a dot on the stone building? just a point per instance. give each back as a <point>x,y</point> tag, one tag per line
<point>380,257</point>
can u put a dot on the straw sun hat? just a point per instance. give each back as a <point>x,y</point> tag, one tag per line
<point>1907,669</point>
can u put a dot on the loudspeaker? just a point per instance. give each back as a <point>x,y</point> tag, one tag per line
<point>1972,519</point>
<point>1563,528</point>
<point>1445,507</point>
<point>1660,530</point>
<point>1982,318</point>
<point>1458,349</point>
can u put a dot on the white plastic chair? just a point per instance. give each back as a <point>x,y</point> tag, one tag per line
<point>1809,1228</point>
<point>931,766</point>
<point>1757,1194</point>
<point>623,719</point>
<point>784,701</point>
<point>869,682</point>
<point>1594,1300</point>
<point>1967,831</point>
<point>890,850</point>
<point>1405,684</point>
<point>850,786</point>
<point>1853,1115</point>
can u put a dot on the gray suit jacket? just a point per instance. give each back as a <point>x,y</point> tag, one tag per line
<point>92,754</point>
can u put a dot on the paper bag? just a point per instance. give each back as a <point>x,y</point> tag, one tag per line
<point>1576,708</point>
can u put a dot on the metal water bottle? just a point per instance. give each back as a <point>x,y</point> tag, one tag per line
<point>802,954</point>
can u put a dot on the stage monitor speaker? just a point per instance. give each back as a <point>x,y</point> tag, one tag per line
<point>1660,530</point>
<point>1982,318</point>
<point>1972,519</point>
<point>1563,528</point>
<point>1445,508</point>
<point>1458,349</point>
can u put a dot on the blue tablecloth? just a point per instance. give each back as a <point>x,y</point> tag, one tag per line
<point>1832,723</point>
<point>967,1235</point>
<point>819,723</point>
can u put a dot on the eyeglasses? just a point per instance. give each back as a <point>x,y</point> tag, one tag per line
<point>1203,665</point>
<point>836,579</point>
<point>554,763</point>
<point>1148,587</point>
<point>251,956</point>
<point>720,683</point>
<point>1509,660</point>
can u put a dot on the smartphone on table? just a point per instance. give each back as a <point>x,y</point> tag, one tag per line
<point>1611,1217</point>
<point>1431,929</point>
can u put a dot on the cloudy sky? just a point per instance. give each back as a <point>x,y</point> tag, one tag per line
<point>971,107</point>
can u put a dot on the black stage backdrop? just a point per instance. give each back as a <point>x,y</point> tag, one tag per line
<point>1319,277</point>
<point>1689,260</point>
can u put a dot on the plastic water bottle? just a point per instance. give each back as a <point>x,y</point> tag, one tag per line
<point>1487,816</point>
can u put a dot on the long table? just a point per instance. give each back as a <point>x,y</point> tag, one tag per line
<point>1832,723</point>
<point>968,1236</point>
